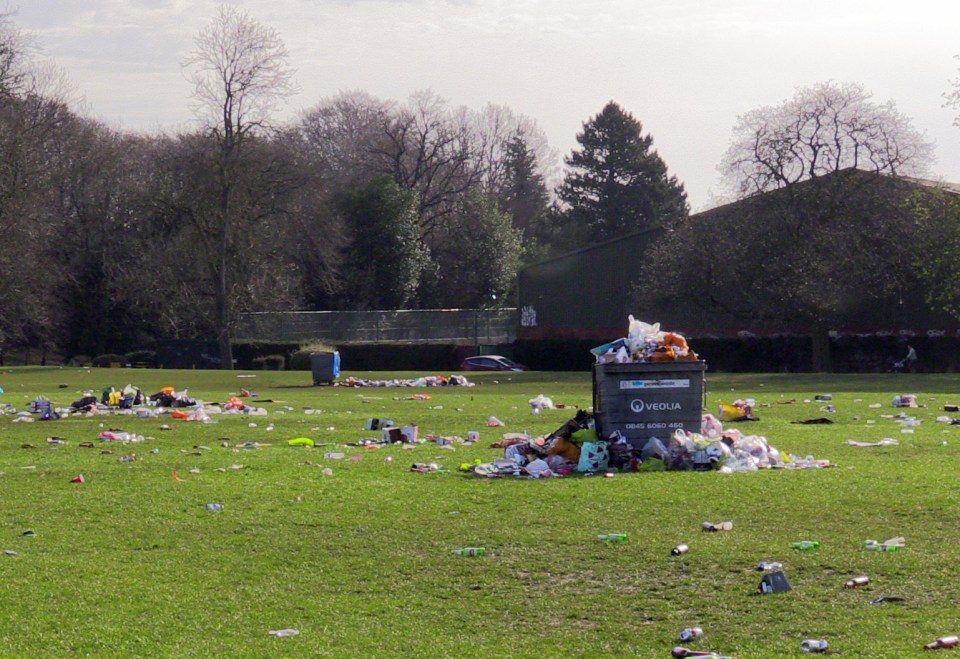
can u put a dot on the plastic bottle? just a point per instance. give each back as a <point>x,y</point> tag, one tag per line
<point>889,545</point>
<point>763,566</point>
<point>856,582</point>
<point>215,506</point>
<point>804,545</point>
<point>613,537</point>
<point>471,551</point>
<point>680,652</point>
<point>942,643</point>
<point>680,549</point>
<point>691,634</point>
<point>333,455</point>
<point>814,645</point>
<point>280,633</point>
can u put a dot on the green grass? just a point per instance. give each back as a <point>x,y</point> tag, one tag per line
<point>131,563</point>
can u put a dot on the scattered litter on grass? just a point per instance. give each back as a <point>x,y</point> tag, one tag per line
<point>711,527</point>
<point>215,506</point>
<point>539,403</point>
<point>886,441</point>
<point>774,582</point>
<point>280,633</point>
<point>893,544</point>
<point>942,643</point>
<point>78,479</point>
<point>9,552</point>
<point>301,441</point>
<point>806,545</point>
<point>424,468</point>
<point>428,381</point>
<point>815,645</point>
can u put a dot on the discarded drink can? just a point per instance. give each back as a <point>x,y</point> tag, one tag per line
<point>613,537</point>
<point>763,566</point>
<point>214,506</point>
<point>470,551</point>
<point>680,549</point>
<point>691,634</point>
<point>814,645</point>
<point>943,643</point>
<point>856,582</point>
<point>823,397</point>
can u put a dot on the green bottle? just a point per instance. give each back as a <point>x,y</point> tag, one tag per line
<point>613,537</point>
<point>807,544</point>
<point>471,551</point>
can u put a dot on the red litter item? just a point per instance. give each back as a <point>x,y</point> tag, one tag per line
<point>78,479</point>
<point>943,643</point>
<point>177,414</point>
<point>856,582</point>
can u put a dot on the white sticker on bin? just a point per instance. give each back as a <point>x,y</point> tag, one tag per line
<point>655,384</point>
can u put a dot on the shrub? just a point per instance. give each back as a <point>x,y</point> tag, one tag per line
<point>79,360</point>
<point>300,360</point>
<point>269,362</point>
<point>107,359</point>
<point>316,346</point>
<point>148,357</point>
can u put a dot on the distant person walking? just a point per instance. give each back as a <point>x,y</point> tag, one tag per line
<point>910,361</point>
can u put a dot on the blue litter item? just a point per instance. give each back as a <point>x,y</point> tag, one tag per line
<point>607,347</point>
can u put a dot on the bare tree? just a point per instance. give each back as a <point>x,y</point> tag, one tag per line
<point>819,227</point>
<point>427,148</point>
<point>240,73</point>
<point>822,129</point>
<point>341,132</point>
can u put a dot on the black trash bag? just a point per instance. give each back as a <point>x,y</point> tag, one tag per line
<point>84,402</point>
<point>162,399</point>
<point>581,421</point>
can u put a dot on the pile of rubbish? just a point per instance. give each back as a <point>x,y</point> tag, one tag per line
<point>428,381</point>
<point>130,400</point>
<point>575,447</point>
<point>645,343</point>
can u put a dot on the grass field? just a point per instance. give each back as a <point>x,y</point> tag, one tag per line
<point>131,562</point>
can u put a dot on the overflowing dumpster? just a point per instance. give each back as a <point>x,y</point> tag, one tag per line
<point>640,400</point>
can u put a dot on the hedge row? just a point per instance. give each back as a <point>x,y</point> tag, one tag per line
<point>788,354</point>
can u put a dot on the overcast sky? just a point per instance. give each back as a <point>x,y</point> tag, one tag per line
<point>685,68</point>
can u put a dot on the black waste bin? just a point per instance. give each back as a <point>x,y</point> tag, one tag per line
<point>325,366</point>
<point>643,400</point>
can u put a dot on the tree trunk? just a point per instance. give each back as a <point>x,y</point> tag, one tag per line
<point>223,315</point>
<point>820,344</point>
